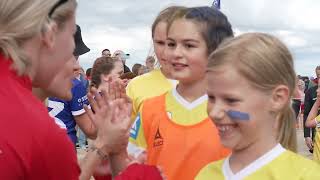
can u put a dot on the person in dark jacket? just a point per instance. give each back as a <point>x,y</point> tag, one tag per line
<point>310,98</point>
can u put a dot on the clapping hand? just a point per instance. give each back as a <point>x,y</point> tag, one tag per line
<point>110,112</point>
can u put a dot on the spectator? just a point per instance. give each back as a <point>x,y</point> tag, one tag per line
<point>82,77</point>
<point>136,68</point>
<point>306,84</point>
<point>82,139</point>
<point>106,53</point>
<point>310,98</point>
<point>71,112</point>
<point>142,70</point>
<point>128,76</point>
<point>150,61</point>
<point>88,73</point>
<point>123,57</point>
<point>104,71</point>
<point>297,100</point>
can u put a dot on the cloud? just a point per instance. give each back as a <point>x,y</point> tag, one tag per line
<point>291,39</point>
<point>126,25</point>
<point>122,25</point>
<point>273,14</point>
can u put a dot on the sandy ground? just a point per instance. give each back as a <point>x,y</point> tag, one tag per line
<point>302,147</point>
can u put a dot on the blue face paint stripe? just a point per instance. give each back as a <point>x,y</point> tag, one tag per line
<point>237,115</point>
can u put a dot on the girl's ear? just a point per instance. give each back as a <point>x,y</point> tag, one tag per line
<point>280,97</point>
<point>49,36</point>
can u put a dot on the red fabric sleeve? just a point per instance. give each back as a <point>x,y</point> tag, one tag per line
<point>135,172</point>
<point>140,172</point>
<point>61,157</point>
<point>106,177</point>
<point>10,164</point>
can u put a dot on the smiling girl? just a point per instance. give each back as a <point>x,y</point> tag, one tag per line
<point>178,134</point>
<point>251,109</point>
<point>157,81</point>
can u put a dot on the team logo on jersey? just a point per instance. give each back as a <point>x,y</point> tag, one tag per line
<point>318,123</point>
<point>169,114</point>
<point>135,127</point>
<point>158,140</point>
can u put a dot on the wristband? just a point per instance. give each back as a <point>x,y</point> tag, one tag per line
<point>102,155</point>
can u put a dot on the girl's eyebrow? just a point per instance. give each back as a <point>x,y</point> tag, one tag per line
<point>170,39</point>
<point>185,40</point>
<point>191,40</point>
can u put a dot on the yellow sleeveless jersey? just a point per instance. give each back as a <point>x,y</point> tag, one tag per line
<point>316,147</point>
<point>277,164</point>
<point>145,86</point>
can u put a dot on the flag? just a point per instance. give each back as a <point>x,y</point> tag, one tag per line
<point>216,4</point>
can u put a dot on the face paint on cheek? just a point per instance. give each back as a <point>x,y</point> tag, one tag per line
<point>237,115</point>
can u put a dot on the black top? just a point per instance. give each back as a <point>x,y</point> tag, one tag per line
<point>310,98</point>
<point>126,68</point>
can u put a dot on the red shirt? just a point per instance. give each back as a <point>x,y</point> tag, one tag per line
<point>32,146</point>
<point>135,172</point>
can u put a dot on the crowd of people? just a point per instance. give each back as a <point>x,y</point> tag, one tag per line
<point>206,105</point>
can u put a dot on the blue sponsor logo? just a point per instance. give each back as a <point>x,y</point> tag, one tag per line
<point>135,127</point>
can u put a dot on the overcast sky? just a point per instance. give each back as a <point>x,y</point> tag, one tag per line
<point>126,24</point>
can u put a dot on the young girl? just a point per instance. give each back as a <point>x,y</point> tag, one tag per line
<point>313,120</point>
<point>105,70</point>
<point>154,83</point>
<point>174,128</point>
<point>251,109</point>
<point>157,81</point>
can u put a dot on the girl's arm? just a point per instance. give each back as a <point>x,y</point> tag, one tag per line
<point>311,122</point>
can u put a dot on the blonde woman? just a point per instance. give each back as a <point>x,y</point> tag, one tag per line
<point>36,41</point>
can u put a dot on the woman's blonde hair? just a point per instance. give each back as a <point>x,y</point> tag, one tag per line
<point>20,20</point>
<point>266,62</point>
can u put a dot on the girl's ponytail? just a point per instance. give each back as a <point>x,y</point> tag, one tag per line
<point>287,135</point>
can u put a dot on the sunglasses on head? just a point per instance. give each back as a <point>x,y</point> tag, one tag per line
<point>59,3</point>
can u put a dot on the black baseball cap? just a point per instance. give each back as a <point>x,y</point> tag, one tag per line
<point>80,48</point>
